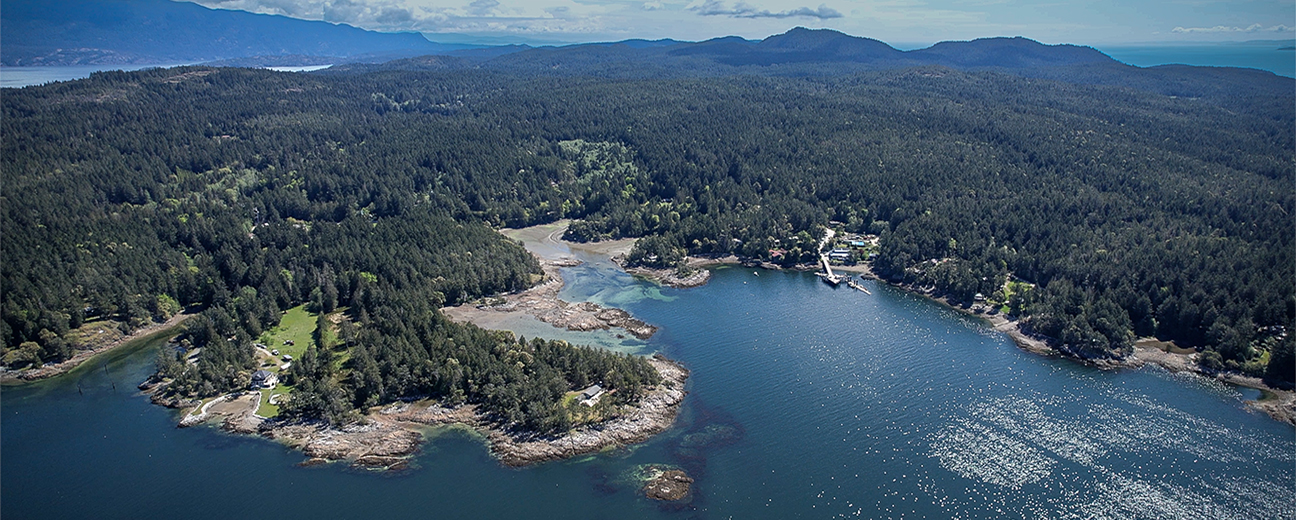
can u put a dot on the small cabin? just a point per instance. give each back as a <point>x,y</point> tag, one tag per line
<point>589,396</point>
<point>264,379</point>
<point>592,392</point>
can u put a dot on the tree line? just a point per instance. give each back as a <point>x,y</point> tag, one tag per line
<point>245,192</point>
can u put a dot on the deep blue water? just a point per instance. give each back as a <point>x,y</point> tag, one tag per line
<point>805,402</point>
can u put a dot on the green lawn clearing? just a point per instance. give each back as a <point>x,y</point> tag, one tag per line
<point>271,410</point>
<point>295,325</point>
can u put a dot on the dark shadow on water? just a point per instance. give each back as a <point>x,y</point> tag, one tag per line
<point>709,428</point>
<point>603,482</point>
<point>706,430</point>
<point>221,441</point>
<point>699,431</point>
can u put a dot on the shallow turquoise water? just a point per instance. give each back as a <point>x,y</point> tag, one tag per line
<point>806,402</point>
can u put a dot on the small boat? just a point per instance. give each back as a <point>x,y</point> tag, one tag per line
<point>853,284</point>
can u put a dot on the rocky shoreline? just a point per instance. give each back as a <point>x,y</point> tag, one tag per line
<point>542,302</point>
<point>54,369</point>
<point>698,275</point>
<point>390,435</point>
<point>1277,403</point>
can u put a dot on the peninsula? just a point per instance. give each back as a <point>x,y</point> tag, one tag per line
<point>385,435</point>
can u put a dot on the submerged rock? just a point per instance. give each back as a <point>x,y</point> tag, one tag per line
<point>710,436</point>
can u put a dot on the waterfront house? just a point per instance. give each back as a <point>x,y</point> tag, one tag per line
<point>264,379</point>
<point>590,395</point>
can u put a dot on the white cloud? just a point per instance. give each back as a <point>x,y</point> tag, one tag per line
<point>433,16</point>
<point>653,6</point>
<point>1253,28</point>
<point>746,10</point>
<point>483,7</point>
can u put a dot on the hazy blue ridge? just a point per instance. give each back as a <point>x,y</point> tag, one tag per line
<point>88,32</point>
<point>823,52</point>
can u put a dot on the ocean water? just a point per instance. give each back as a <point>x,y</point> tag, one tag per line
<point>17,77</point>
<point>805,402</point>
<point>1256,55</point>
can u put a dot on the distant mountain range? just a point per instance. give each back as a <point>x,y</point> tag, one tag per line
<point>824,52</point>
<point>799,51</point>
<point>112,32</point>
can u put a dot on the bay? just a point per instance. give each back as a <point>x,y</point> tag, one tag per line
<point>805,402</point>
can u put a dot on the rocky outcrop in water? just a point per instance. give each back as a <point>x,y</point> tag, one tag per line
<point>671,277</point>
<point>672,485</point>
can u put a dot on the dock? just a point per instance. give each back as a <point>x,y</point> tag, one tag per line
<point>827,276</point>
<point>855,284</point>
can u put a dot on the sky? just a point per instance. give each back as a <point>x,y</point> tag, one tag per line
<point>914,22</point>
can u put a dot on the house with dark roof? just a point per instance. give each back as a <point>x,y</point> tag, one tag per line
<point>264,379</point>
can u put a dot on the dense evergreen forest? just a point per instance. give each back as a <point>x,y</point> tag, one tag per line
<point>241,193</point>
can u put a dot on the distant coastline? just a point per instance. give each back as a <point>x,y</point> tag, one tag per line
<point>1256,55</point>
<point>1270,56</point>
<point>18,77</point>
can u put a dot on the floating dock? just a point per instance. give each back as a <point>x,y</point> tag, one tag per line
<point>855,284</point>
<point>827,276</point>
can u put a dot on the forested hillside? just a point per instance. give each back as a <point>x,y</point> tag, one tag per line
<point>128,195</point>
